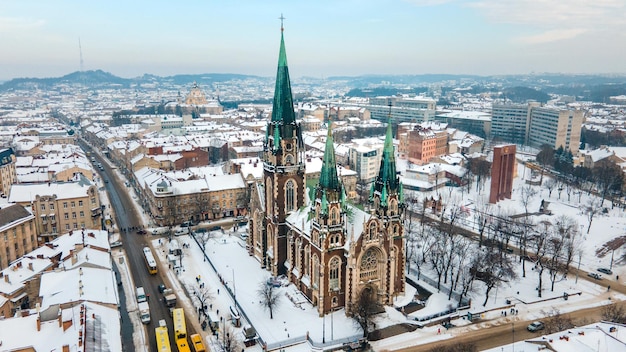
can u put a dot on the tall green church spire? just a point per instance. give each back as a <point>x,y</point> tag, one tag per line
<point>387,173</point>
<point>282,108</point>
<point>328,176</point>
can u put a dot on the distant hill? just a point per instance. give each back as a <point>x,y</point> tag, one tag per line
<point>101,79</point>
<point>536,86</point>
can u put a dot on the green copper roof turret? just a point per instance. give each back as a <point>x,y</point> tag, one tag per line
<point>282,108</point>
<point>387,174</point>
<point>328,175</point>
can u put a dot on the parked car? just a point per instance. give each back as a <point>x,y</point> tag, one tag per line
<point>142,232</point>
<point>605,271</point>
<point>161,288</point>
<point>535,326</point>
<point>116,244</point>
<point>595,276</point>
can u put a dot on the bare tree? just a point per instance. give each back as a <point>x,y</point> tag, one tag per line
<point>555,321</point>
<point>524,226</point>
<point>493,270</point>
<point>229,341</point>
<point>269,296</point>
<point>614,313</point>
<point>425,244</point>
<point>482,216</point>
<point>540,247</point>
<point>204,295</point>
<point>527,193</point>
<point>463,248</point>
<point>204,239</point>
<point>457,347</point>
<point>591,209</point>
<point>568,231</point>
<point>554,250</point>
<point>364,309</point>
<point>608,176</point>
<point>550,184</point>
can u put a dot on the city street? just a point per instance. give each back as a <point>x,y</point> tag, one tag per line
<point>125,216</point>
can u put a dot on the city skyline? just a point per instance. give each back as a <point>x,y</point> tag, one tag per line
<point>324,38</point>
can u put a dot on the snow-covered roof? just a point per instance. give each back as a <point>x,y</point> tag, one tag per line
<point>25,193</point>
<point>52,336</point>
<point>78,284</point>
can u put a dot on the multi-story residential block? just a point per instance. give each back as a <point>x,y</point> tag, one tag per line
<point>536,125</point>
<point>399,108</point>
<point>365,160</point>
<point>60,207</point>
<point>17,233</point>
<point>510,122</point>
<point>555,127</point>
<point>7,170</point>
<point>422,145</point>
<point>402,108</point>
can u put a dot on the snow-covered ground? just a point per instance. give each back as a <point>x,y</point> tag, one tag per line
<point>295,319</point>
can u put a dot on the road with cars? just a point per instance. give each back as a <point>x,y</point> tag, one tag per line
<point>127,217</point>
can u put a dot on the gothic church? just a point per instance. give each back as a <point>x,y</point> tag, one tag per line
<point>330,249</point>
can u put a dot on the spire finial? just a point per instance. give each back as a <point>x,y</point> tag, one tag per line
<point>281,18</point>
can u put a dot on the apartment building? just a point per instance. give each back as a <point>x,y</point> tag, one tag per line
<point>7,170</point>
<point>365,159</point>
<point>17,233</point>
<point>510,122</point>
<point>403,108</point>
<point>536,125</point>
<point>555,127</point>
<point>60,207</point>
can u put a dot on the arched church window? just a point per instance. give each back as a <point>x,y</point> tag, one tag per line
<point>372,231</point>
<point>316,270</point>
<point>269,197</point>
<point>290,196</point>
<point>369,264</point>
<point>334,216</point>
<point>393,207</point>
<point>289,159</point>
<point>334,273</point>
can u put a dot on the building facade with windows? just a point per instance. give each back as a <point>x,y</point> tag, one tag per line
<point>535,125</point>
<point>556,128</point>
<point>17,233</point>
<point>60,207</point>
<point>7,170</point>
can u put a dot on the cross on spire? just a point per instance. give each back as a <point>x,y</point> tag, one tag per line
<point>281,18</point>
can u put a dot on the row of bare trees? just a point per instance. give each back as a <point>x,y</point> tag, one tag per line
<point>457,261</point>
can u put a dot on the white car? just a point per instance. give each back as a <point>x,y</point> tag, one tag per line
<point>535,326</point>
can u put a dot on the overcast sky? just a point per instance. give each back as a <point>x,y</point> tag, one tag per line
<point>40,38</point>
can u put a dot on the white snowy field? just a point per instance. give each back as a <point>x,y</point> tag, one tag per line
<point>294,317</point>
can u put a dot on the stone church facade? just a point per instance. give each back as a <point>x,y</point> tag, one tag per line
<point>330,249</point>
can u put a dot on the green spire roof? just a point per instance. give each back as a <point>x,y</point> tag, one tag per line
<point>282,108</point>
<point>387,173</point>
<point>328,175</point>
